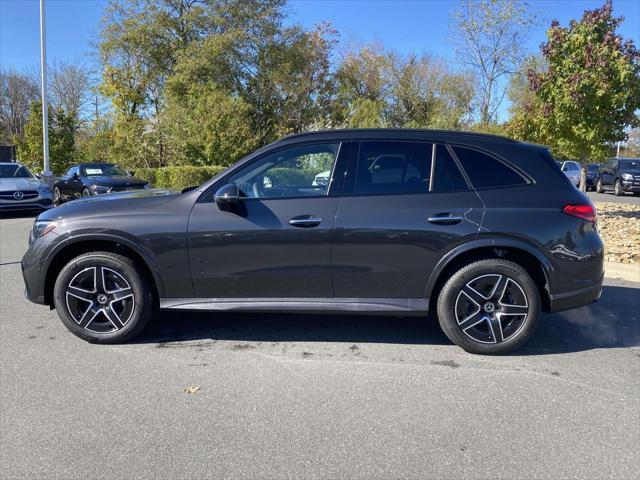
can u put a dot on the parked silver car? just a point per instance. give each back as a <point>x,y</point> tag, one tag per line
<point>20,190</point>
<point>572,170</point>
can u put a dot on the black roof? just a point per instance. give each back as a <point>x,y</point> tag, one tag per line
<point>344,133</point>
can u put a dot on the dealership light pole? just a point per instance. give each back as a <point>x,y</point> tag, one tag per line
<point>43,77</point>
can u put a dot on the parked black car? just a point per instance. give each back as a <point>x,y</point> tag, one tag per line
<point>620,174</point>
<point>485,231</point>
<point>593,171</point>
<point>89,179</point>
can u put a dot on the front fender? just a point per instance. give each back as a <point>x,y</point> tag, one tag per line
<point>115,237</point>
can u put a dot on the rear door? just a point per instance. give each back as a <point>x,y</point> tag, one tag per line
<point>405,203</point>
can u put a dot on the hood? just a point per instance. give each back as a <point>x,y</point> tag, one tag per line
<point>19,184</point>
<point>132,194</point>
<point>110,203</point>
<point>118,181</point>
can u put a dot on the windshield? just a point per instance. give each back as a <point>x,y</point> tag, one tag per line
<point>594,167</point>
<point>629,164</point>
<point>103,171</point>
<point>14,171</point>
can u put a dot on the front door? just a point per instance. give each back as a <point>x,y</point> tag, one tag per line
<point>276,242</point>
<point>404,205</point>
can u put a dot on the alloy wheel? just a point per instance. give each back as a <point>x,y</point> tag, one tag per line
<point>100,300</point>
<point>56,196</point>
<point>491,308</point>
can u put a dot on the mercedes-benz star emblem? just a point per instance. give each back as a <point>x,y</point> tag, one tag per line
<point>18,195</point>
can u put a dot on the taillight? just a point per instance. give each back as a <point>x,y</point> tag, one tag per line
<point>584,212</point>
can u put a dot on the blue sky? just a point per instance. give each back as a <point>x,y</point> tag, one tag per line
<point>406,26</point>
<point>412,26</point>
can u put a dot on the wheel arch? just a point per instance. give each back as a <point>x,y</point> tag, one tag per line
<point>84,244</point>
<point>520,252</point>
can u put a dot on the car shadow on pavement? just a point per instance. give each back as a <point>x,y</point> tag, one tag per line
<point>613,322</point>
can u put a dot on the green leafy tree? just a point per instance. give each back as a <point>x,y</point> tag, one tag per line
<point>209,127</point>
<point>376,88</point>
<point>61,140</point>
<point>590,89</point>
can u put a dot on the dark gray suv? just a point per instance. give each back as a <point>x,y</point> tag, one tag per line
<point>483,231</point>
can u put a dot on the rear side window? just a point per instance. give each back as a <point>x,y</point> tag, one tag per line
<point>447,176</point>
<point>485,171</point>
<point>393,167</point>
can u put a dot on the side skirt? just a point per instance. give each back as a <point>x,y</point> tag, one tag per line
<point>392,306</point>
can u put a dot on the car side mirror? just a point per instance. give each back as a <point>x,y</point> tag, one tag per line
<point>75,176</point>
<point>227,195</point>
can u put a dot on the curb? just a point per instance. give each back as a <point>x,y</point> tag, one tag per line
<point>622,271</point>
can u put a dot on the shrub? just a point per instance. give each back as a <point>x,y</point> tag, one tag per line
<point>292,176</point>
<point>178,177</point>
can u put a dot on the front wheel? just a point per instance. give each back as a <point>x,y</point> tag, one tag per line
<point>103,297</point>
<point>617,189</point>
<point>86,192</point>
<point>599,188</point>
<point>57,197</point>
<point>489,307</point>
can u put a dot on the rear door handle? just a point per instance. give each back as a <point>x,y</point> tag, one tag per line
<point>305,221</point>
<point>445,219</point>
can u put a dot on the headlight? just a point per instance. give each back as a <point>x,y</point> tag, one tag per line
<point>42,227</point>
<point>627,176</point>
<point>44,189</point>
<point>99,189</point>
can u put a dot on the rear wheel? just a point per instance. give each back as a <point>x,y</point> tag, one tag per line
<point>489,307</point>
<point>102,297</point>
<point>86,192</point>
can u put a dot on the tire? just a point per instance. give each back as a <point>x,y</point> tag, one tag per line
<point>599,188</point>
<point>617,189</point>
<point>113,314</point>
<point>480,295</point>
<point>57,198</point>
<point>86,192</point>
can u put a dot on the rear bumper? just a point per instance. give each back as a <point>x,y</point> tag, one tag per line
<point>576,298</point>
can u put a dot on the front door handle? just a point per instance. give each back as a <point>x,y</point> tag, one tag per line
<point>445,219</point>
<point>305,221</point>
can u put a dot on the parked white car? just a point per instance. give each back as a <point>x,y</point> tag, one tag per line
<point>321,179</point>
<point>20,190</point>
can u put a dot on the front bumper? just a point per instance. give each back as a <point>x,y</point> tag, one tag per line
<point>39,203</point>
<point>628,186</point>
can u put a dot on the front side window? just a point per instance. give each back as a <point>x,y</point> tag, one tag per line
<point>393,167</point>
<point>485,171</point>
<point>72,171</point>
<point>302,171</point>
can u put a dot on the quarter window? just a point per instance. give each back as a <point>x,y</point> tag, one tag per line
<point>302,171</point>
<point>485,171</point>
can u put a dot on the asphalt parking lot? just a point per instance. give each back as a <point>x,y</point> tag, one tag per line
<point>295,396</point>
<point>610,197</point>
